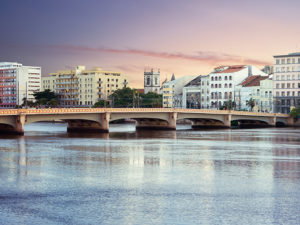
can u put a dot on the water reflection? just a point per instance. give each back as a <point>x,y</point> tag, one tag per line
<point>165,177</point>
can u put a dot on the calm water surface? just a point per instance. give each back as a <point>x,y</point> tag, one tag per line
<point>249,176</point>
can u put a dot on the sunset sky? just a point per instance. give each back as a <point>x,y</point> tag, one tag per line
<point>185,37</point>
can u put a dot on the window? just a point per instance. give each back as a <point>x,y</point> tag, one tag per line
<point>288,77</point>
<point>230,85</point>
<point>216,86</point>
<point>282,61</point>
<point>293,77</point>
<point>287,93</point>
<point>288,61</point>
<point>293,85</point>
<point>225,77</point>
<point>226,86</point>
<point>212,86</point>
<point>230,77</point>
<point>293,60</point>
<point>282,85</point>
<point>277,61</point>
<point>282,93</point>
<point>220,78</point>
<point>220,95</point>
<point>288,85</point>
<point>216,78</point>
<point>212,78</point>
<point>220,86</point>
<point>282,102</point>
<point>277,77</point>
<point>148,80</point>
<point>282,69</point>
<point>277,93</point>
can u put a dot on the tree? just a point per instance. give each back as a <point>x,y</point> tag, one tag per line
<point>123,98</point>
<point>46,98</point>
<point>295,112</point>
<point>228,105</point>
<point>250,103</point>
<point>151,100</point>
<point>101,104</point>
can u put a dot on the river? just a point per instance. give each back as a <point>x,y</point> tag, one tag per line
<point>239,176</point>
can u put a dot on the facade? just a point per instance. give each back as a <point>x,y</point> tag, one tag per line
<point>258,88</point>
<point>81,87</point>
<point>286,82</point>
<point>18,82</point>
<point>152,81</point>
<point>224,79</point>
<point>172,92</point>
<point>196,93</point>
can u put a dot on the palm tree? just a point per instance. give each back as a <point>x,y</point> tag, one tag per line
<point>250,103</point>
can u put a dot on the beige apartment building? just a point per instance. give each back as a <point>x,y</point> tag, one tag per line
<point>286,85</point>
<point>82,87</point>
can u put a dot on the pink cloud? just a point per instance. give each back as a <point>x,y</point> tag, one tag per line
<point>201,57</point>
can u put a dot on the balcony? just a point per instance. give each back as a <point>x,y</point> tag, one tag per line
<point>100,87</point>
<point>99,81</point>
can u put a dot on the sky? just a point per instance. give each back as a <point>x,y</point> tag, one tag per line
<point>184,37</point>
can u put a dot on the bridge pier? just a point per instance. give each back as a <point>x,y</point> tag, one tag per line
<point>159,124</point>
<point>101,126</point>
<point>15,125</point>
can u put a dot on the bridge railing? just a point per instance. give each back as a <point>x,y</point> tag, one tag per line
<point>133,110</point>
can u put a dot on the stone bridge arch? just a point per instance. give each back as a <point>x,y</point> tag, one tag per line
<point>149,120</point>
<point>205,120</point>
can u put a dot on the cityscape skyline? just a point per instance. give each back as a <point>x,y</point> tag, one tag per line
<point>185,38</point>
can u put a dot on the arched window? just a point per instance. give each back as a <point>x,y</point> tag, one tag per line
<point>156,80</point>
<point>230,77</point>
<point>230,85</point>
<point>148,80</point>
<point>225,77</point>
<point>220,78</point>
<point>226,86</point>
<point>220,95</point>
<point>226,95</point>
<point>212,95</point>
<point>216,86</point>
<point>212,78</point>
<point>220,86</point>
<point>212,86</point>
<point>216,78</point>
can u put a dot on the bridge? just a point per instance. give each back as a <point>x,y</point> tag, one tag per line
<point>98,119</point>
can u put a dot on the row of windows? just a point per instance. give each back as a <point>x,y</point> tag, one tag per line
<point>220,78</point>
<point>287,77</point>
<point>220,86</point>
<point>287,69</point>
<point>219,95</point>
<point>287,85</point>
<point>286,93</point>
<point>287,61</point>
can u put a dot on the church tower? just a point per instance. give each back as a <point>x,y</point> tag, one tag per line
<point>151,81</point>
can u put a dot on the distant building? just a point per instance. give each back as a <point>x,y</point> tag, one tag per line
<point>224,79</point>
<point>268,69</point>
<point>172,92</point>
<point>18,82</point>
<point>195,94</point>
<point>286,82</point>
<point>81,87</point>
<point>252,88</point>
<point>152,81</point>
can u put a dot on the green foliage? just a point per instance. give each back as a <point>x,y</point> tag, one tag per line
<point>250,103</point>
<point>101,104</point>
<point>46,98</point>
<point>295,112</point>
<point>151,100</point>
<point>228,105</point>
<point>127,98</point>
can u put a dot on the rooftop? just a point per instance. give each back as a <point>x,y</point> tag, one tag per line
<point>288,55</point>
<point>230,69</point>
<point>253,81</point>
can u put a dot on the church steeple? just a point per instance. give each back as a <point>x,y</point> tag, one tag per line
<point>173,77</point>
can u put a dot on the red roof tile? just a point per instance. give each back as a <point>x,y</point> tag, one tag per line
<point>253,81</point>
<point>232,69</point>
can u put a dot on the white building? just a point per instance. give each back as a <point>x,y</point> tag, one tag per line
<point>196,93</point>
<point>252,88</point>
<point>18,82</point>
<point>286,82</point>
<point>224,79</point>
<point>151,81</point>
<point>172,92</point>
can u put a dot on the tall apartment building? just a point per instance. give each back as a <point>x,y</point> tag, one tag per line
<point>151,81</point>
<point>18,82</point>
<point>286,82</point>
<point>82,87</point>
<point>224,79</point>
